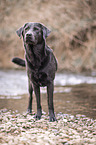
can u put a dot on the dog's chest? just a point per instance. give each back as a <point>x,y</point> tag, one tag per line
<point>39,78</point>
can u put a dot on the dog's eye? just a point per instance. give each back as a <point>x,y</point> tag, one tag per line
<point>27,28</point>
<point>36,29</point>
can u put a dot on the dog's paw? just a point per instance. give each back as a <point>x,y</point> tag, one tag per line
<point>29,111</point>
<point>52,118</point>
<point>37,117</point>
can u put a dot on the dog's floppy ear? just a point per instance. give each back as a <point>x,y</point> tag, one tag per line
<point>46,31</point>
<point>20,32</point>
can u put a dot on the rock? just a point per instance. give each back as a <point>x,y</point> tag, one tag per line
<point>23,129</point>
<point>65,120</point>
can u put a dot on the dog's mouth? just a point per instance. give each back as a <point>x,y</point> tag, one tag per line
<point>30,40</point>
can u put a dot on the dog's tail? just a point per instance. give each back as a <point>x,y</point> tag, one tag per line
<point>19,61</point>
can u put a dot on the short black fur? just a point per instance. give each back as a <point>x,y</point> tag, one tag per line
<point>40,63</point>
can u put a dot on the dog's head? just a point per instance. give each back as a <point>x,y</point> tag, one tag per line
<point>33,33</point>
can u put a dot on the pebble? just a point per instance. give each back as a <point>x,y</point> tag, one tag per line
<point>22,129</point>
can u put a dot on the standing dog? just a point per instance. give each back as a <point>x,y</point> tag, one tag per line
<point>40,63</point>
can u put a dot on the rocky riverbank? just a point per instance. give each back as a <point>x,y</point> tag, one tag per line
<point>23,129</point>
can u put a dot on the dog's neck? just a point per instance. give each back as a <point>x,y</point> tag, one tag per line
<point>35,53</point>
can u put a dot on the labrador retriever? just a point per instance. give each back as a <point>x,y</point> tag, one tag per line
<point>40,63</point>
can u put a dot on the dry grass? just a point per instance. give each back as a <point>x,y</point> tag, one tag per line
<point>73,25</point>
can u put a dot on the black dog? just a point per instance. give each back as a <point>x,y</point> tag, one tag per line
<point>40,63</point>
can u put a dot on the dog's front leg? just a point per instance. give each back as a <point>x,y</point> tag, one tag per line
<point>30,97</point>
<point>50,89</point>
<point>39,109</point>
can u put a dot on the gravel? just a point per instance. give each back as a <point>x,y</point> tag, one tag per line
<point>23,129</point>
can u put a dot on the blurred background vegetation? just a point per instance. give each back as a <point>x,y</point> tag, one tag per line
<point>73,26</point>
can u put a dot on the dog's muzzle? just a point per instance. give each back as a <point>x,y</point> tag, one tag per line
<point>30,39</point>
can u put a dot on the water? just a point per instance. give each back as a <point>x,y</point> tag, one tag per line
<point>73,94</point>
<point>15,82</point>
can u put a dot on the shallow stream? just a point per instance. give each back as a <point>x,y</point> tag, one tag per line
<point>73,93</point>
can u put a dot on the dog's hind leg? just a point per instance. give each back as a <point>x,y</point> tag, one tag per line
<point>29,110</point>
<point>50,89</point>
<point>39,109</point>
